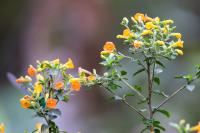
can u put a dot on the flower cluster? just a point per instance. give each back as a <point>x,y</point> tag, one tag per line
<point>47,85</point>
<point>151,36</point>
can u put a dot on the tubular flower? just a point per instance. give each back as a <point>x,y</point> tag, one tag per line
<point>51,103</point>
<point>2,128</point>
<point>91,78</point>
<point>177,44</point>
<point>69,64</point>
<point>146,32</point>
<point>109,47</point>
<point>31,71</point>
<point>59,85</point>
<point>137,44</point>
<point>126,34</point>
<point>160,42</point>
<point>196,128</point>
<point>139,17</point>
<point>177,35</point>
<point>37,88</point>
<point>22,79</point>
<point>25,103</point>
<point>150,25</point>
<point>180,52</point>
<point>168,21</point>
<point>75,84</point>
<point>27,97</point>
<point>148,19</point>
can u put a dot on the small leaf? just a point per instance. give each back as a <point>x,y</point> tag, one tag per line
<point>160,63</point>
<point>138,88</point>
<point>128,95</point>
<point>139,71</point>
<point>123,73</point>
<point>65,98</point>
<point>156,80</point>
<point>190,87</point>
<point>164,112</point>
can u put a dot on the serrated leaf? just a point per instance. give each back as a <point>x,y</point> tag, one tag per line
<point>156,80</point>
<point>190,87</point>
<point>138,72</point>
<point>164,112</point>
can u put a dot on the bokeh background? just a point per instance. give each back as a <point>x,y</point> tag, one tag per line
<point>48,29</point>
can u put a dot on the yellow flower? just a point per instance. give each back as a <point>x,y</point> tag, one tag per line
<point>69,64</point>
<point>38,126</point>
<point>37,88</point>
<point>51,103</point>
<point>56,61</point>
<point>139,17</point>
<point>31,71</point>
<point>165,30</point>
<point>2,128</point>
<point>109,47</point>
<point>126,34</point>
<point>180,52</point>
<point>160,42</point>
<point>150,25</point>
<point>91,78</point>
<point>179,44</point>
<point>146,32</point>
<point>177,35</point>
<point>25,103</point>
<point>137,44</point>
<point>75,84</point>
<point>157,19</point>
<point>168,21</point>
<point>148,19</point>
<point>196,128</point>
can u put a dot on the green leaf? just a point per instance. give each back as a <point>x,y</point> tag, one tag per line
<point>161,93</point>
<point>160,63</point>
<point>164,112</point>
<point>156,80</point>
<point>128,95</point>
<point>138,72</point>
<point>190,87</point>
<point>156,130</point>
<point>65,98</point>
<point>138,88</point>
<point>123,73</point>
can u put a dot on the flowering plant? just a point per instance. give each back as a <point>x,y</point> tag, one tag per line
<point>47,85</point>
<point>149,42</point>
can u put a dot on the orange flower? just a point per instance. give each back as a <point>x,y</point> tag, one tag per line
<point>25,103</point>
<point>137,44</point>
<point>31,71</point>
<point>139,17</point>
<point>196,128</point>
<point>109,47</point>
<point>91,78</point>
<point>59,85</point>
<point>51,103</point>
<point>75,84</point>
<point>69,64</point>
<point>23,80</point>
<point>27,97</point>
<point>2,128</point>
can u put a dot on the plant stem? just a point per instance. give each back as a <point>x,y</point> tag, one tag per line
<point>170,97</point>
<point>150,84</point>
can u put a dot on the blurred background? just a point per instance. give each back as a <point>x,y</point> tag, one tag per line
<point>33,30</point>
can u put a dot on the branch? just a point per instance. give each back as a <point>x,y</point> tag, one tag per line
<point>170,97</point>
<point>131,87</point>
